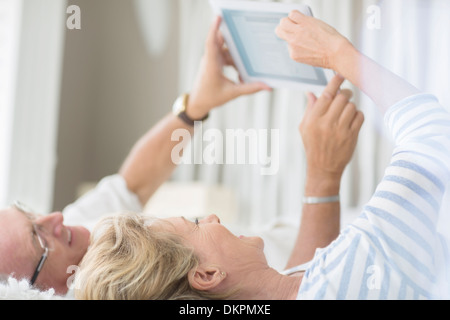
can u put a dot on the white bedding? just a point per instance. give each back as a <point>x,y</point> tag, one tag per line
<point>13,289</point>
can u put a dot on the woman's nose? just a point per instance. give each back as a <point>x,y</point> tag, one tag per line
<point>211,219</point>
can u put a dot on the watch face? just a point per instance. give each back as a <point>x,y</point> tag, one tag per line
<point>179,106</point>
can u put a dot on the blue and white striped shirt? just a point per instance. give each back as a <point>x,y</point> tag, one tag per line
<point>397,248</point>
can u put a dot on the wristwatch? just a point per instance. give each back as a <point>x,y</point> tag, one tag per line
<point>179,110</point>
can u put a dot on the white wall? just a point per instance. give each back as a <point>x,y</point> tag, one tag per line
<point>113,91</point>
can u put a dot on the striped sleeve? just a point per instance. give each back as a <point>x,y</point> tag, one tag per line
<point>417,118</point>
<point>419,174</point>
<point>391,250</point>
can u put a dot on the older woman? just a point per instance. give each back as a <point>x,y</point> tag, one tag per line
<point>392,251</point>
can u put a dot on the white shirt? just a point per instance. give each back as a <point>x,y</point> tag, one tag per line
<point>110,196</point>
<point>394,250</point>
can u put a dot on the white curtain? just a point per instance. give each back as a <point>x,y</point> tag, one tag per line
<point>154,18</point>
<point>36,80</point>
<point>416,48</point>
<point>414,42</point>
<point>10,19</point>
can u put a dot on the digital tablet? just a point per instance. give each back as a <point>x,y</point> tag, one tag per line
<point>248,28</point>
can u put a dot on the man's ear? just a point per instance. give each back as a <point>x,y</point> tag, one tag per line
<point>206,278</point>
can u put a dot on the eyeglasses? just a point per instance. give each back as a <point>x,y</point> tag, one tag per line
<point>40,235</point>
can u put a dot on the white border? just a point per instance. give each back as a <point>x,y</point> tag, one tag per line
<point>219,5</point>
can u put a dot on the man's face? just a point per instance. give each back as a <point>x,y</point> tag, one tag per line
<point>21,247</point>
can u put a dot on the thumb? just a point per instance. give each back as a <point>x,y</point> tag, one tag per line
<point>250,88</point>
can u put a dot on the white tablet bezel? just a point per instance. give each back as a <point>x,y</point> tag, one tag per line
<point>259,6</point>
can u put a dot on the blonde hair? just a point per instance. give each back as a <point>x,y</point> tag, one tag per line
<point>130,260</point>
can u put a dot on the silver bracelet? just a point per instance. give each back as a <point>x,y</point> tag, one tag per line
<point>320,200</point>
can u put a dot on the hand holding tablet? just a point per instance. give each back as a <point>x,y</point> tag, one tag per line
<point>259,54</point>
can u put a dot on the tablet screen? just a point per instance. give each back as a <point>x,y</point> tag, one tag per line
<point>262,52</point>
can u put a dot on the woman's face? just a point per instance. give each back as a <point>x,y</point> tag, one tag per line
<point>215,245</point>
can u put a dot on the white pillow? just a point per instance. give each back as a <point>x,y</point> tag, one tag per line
<point>13,289</point>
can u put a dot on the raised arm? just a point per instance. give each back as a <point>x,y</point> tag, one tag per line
<point>149,164</point>
<point>403,222</point>
<point>314,42</point>
<point>329,130</point>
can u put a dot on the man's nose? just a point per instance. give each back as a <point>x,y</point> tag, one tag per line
<point>50,221</point>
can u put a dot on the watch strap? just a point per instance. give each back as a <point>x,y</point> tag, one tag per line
<point>183,115</point>
<point>186,119</point>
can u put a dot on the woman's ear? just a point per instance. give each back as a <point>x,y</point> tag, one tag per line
<point>206,278</point>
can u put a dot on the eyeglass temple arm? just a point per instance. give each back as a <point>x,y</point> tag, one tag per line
<point>39,267</point>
